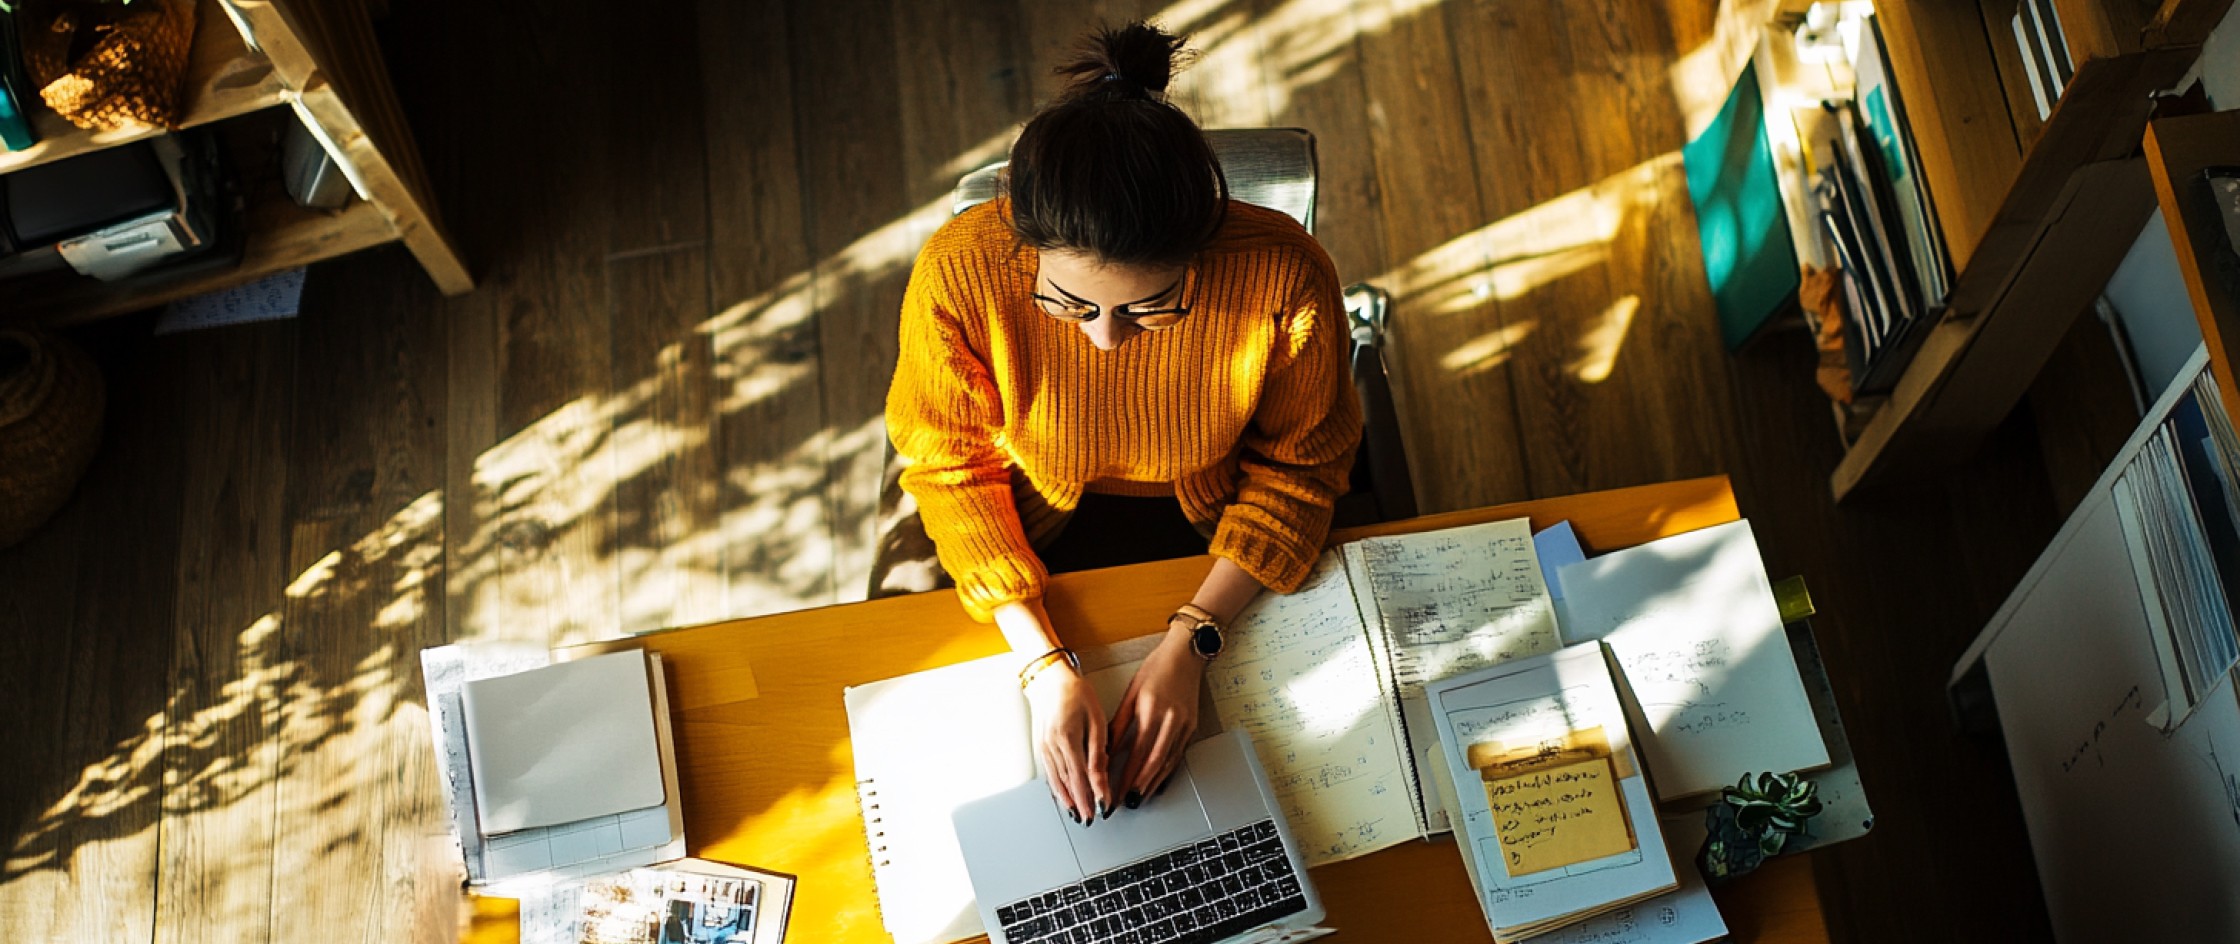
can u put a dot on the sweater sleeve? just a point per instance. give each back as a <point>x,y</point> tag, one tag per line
<point>1297,452</point>
<point>944,415</point>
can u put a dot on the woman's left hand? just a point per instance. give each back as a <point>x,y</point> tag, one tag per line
<point>1157,716</point>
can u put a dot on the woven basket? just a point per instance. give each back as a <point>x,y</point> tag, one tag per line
<point>50,423</point>
<point>109,66</point>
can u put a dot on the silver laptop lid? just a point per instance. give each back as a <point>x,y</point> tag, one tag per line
<point>1020,843</point>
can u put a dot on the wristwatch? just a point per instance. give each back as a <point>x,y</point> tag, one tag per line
<point>1205,631</point>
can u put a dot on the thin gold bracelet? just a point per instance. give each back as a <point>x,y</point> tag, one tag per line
<point>1044,661</point>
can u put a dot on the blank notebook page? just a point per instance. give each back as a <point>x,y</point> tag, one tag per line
<point>568,742</point>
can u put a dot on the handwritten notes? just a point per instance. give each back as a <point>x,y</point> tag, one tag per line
<point>1456,600</point>
<point>1441,603</point>
<point>1712,681</point>
<point>1542,778</point>
<point>1298,677</point>
<point>1554,802</point>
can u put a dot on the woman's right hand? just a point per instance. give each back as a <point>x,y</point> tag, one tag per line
<point>1069,736</point>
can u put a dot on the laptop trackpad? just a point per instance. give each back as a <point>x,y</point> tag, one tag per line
<point>1161,823</point>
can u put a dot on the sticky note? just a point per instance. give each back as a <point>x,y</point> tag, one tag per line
<point>1554,804</point>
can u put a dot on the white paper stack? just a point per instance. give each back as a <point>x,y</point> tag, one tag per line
<point>554,772</point>
<point>1545,705</point>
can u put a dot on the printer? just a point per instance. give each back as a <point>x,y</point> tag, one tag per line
<point>112,213</point>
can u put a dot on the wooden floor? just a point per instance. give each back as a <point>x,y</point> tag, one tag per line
<point>692,222</point>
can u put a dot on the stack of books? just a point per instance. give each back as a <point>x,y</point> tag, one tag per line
<point>2045,52</point>
<point>2180,511</point>
<point>1877,215</point>
<point>561,784</point>
<point>1555,821</point>
<point>555,772</point>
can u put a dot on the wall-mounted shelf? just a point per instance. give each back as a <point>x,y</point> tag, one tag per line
<point>2178,150</point>
<point>2037,215</point>
<point>319,59</point>
<point>224,80</point>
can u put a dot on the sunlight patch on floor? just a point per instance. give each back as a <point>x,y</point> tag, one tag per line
<point>1597,350</point>
<point>1513,257</point>
<point>1486,351</point>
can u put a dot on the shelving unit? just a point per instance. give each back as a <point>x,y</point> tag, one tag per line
<point>2178,150</point>
<point>317,62</point>
<point>2037,215</point>
<point>2078,670</point>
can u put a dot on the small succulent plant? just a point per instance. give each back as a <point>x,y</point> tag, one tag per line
<point>1753,820</point>
<point>1776,807</point>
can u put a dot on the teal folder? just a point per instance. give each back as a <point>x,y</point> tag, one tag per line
<point>15,91</point>
<point>1747,252</point>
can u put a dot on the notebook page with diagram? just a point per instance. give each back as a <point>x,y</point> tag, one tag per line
<point>1441,603</point>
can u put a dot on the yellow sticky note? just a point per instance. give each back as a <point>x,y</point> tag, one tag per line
<point>1555,804</point>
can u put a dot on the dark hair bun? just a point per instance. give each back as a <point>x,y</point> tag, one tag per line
<point>1112,168</point>
<point>1136,59</point>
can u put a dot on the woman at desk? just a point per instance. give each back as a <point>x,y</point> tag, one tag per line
<point>1117,363</point>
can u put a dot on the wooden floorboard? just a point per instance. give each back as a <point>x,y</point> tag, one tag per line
<point>1451,339</point>
<point>1310,57</point>
<point>84,859</point>
<point>358,831</point>
<point>666,542</point>
<point>229,667</point>
<point>1617,377</point>
<point>848,128</point>
<point>691,225</point>
<point>776,527</point>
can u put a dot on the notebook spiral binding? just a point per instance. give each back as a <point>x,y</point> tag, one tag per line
<point>874,836</point>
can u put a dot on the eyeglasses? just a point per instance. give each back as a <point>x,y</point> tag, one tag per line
<point>1080,311</point>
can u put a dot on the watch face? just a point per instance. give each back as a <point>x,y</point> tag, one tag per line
<point>1206,639</point>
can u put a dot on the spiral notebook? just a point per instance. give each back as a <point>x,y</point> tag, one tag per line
<point>929,742</point>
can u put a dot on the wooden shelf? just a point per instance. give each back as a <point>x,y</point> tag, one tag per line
<point>2035,227</point>
<point>320,58</point>
<point>224,80</point>
<point>280,236</point>
<point>2178,150</point>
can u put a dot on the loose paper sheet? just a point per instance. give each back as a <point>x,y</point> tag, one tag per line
<point>1297,676</point>
<point>1710,676</point>
<point>1558,547</point>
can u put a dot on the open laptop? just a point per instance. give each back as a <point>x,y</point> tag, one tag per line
<point>1209,860</point>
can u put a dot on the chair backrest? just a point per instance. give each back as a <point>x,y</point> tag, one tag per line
<point>1269,167</point>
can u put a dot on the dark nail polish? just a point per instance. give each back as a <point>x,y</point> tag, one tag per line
<point>1108,811</point>
<point>1162,791</point>
<point>1076,816</point>
<point>1135,799</point>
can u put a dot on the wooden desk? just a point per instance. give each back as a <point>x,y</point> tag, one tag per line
<point>768,775</point>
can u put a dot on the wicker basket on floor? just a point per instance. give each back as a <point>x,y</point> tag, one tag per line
<point>50,424</point>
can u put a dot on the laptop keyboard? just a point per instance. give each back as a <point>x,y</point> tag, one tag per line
<point>1197,894</point>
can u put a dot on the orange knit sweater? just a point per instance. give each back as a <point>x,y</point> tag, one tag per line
<point>1244,411</point>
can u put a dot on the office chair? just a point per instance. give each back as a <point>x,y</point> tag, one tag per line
<point>1275,168</point>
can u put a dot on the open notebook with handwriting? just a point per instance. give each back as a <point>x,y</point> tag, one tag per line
<point>1330,679</point>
